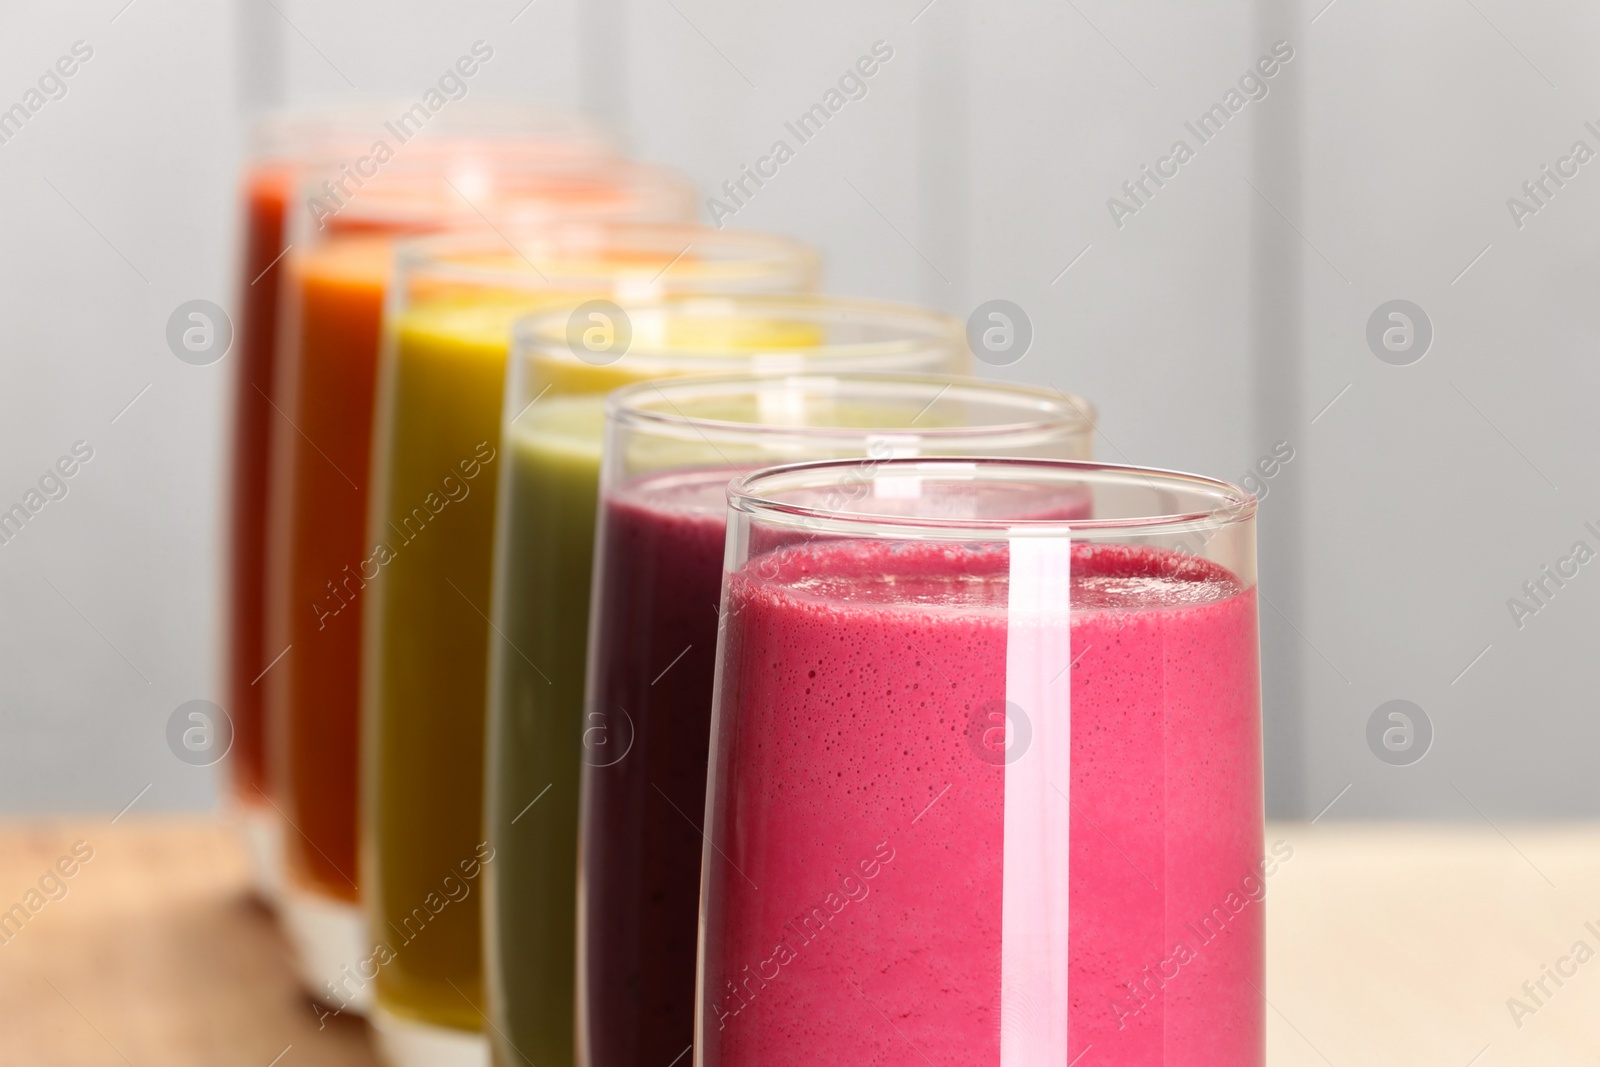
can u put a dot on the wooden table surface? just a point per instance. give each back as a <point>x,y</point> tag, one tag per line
<point>1387,944</point>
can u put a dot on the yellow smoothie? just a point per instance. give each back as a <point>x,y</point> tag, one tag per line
<point>427,632</point>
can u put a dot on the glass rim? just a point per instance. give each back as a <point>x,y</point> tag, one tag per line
<point>418,188</point>
<point>919,331</point>
<point>745,495</point>
<point>447,256</point>
<point>502,153</point>
<point>1054,413</point>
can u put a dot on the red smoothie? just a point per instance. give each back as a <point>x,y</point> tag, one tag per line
<point>659,548</point>
<point>853,904</point>
<point>266,190</point>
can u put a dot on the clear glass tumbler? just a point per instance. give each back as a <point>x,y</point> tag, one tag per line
<point>671,448</point>
<point>428,550</point>
<point>287,147</point>
<point>985,779</point>
<point>321,405</point>
<point>544,553</point>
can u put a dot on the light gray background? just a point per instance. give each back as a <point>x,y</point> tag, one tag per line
<point>1222,318</point>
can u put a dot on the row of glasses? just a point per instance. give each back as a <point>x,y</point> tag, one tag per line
<point>492,771</point>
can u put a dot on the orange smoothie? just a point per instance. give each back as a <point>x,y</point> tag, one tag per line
<point>327,383</point>
<point>319,559</point>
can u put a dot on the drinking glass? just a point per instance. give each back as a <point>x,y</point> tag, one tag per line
<point>428,558</point>
<point>335,280</point>
<point>985,776</point>
<point>561,368</point>
<point>670,450</point>
<point>284,148</point>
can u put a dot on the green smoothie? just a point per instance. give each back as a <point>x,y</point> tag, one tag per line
<point>535,728</point>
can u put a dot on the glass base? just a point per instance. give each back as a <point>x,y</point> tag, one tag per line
<point>332,955</point>
<point>405,1043</point>
<point>263,839</point>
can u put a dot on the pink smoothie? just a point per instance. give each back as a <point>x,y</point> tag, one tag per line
<point>853,908</point>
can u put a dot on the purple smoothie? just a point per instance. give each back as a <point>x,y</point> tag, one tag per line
<point>853,911</point>
<point>659,550</point>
